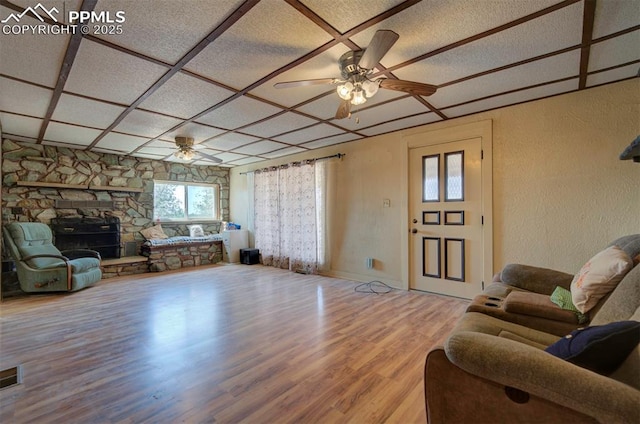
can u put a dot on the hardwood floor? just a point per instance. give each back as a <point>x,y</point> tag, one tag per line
<point>223,344</point>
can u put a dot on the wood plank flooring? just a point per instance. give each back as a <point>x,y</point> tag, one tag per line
<point>221,344</point>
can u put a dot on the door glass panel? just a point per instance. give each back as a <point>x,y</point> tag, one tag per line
<point>454,181</point>
<point>431,178</point>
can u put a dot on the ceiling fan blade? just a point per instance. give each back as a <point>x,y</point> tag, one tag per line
<point>415,88</point>
<point>378,47</point>
<point>302,83</point>
<point>343,110</point>
<point>209,157</point>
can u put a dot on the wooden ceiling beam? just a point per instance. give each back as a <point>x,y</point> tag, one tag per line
<point>588,18</point>
<point>65,70</point>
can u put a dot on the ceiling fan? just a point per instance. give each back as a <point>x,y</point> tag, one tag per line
<point>186,150</point>
<point>356,67</point>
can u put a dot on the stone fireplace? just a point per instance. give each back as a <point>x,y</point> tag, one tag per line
<point>95,233</point>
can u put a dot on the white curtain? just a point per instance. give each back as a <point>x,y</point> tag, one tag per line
<point>289,211</point>
<point>322,216</point>
<point>251,208</point>
<point>267,215</point>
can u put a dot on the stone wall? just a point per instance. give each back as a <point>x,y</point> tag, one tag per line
<point>163,258</point>
<point>28,162</point>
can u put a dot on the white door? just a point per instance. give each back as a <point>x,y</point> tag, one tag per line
<point>445,212</point>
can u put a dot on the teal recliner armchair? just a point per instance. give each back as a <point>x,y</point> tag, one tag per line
<point>42,267</point>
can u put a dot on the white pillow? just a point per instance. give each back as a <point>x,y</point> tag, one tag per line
<point>196,231</point>
<point>598,277</point>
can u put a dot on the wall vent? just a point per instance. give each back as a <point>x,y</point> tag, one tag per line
<point>10,377</point>
<point>130,248</point>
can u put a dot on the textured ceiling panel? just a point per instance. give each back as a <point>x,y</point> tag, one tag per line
<point>272,34</point>
<point>549,33</point>
<point>425,118</point>
<point>344,15</point>
<point>159,147</point>
<point>70,134</point>
<point>146,124</point>
<point>230,141</point>
<point>616,74</point>
<point>383,113</point>
<point>104,73</point>
<point>23,98</point>
<point>323,108</point>
<point>550,69</point>
<point>284,152</point>
<point>336,139</point>
<point>260,147</point>
<point>433,24</point>
<point>239,112</point>
<point>121,142</point>
<point>23,125</point>
<point>517,97</point>
<point>308,134</point>
<point>230,157</point>
<point>184,96</point>
<point>280,124</point>
<point>36,58</point>
<point>246,161</point>
<point>616,50</point>
<point>614,16</point>
<point>171,30</point>
<point>79,110</point>
<point>197,131</point>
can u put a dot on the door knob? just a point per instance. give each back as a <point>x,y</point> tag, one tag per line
<point>415,221</point>
<point>414,230</point>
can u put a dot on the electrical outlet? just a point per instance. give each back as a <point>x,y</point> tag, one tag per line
<point>369,263</point>
<point>386,203</point>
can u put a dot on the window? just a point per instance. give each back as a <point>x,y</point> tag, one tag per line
<point>454,182</point>
<point>177,201</point>
<point>431,178</point>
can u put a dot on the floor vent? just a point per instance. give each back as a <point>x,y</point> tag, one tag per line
<point>10,377</point>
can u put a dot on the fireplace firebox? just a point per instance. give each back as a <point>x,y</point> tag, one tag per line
<point>99,234</point>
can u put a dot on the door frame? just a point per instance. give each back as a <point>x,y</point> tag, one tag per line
<point>422,138</point>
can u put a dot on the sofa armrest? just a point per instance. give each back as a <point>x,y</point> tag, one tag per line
<point>535,279</point>
<point>537,372</point>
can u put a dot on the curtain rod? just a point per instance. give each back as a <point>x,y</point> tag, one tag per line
<point>337,155</point>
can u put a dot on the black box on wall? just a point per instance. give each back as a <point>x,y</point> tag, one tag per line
<point>249,256</point>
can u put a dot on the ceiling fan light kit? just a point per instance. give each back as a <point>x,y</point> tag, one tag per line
<point>344,90</point>
<point>184,154</point>
<point>186,150</point>
<point>356,66</point>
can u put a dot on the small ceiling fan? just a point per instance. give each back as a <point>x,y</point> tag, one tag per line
<point>186,150</point>
<point>356,67</point>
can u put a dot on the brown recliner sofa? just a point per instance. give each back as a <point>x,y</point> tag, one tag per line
<point>493,367</point>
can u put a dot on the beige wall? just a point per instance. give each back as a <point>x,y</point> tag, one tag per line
<point>560,193</point>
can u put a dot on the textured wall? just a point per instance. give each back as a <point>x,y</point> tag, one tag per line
<point>560,191</point>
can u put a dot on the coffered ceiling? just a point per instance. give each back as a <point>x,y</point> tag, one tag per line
<point>206,69</point>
